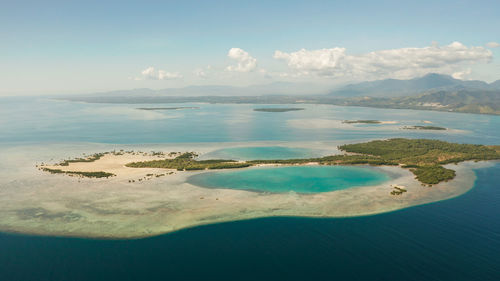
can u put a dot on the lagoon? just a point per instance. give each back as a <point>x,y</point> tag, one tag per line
<point>456,239</point>
<point>300,179</point>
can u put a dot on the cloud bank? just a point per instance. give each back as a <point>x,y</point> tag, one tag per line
<point>404,62</point>
<point>244,62</point>
<point>151,74</point>
<point>493,45</point>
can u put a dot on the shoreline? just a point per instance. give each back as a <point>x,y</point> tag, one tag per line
<point>58,205</point>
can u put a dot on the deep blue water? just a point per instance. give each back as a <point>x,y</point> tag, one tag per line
<point>457,239</point>
<point>300,179</point>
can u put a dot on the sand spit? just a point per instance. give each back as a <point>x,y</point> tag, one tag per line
<point>36,202</point>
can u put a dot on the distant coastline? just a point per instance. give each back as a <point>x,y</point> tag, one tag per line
<point>417,103</point>
<point>278,109</point>
<point>168,108</point>
<point>430,92</point>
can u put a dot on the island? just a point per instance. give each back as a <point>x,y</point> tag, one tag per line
<point>361,122</point>
<point>416,127</point>
<point>168,108</point>
<point>277,109</point>
<point>424,158</point>
<point>145,190</point>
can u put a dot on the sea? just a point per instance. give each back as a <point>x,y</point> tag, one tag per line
<point>455,239</point>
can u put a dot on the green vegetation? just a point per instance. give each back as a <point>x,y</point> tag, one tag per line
<point>424,128</point>
<point>433,174</point>
<point>425,157</point>
<point>277,109</point>
<point>423,151</point>
<point>361,122</point>
<point>186,162</point>
<point>99,174</point>
<point>91,158</point>
<point>398,190</point>
<point>331,160</point>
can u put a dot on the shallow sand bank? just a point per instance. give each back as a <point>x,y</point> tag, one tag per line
<point>32,201</point>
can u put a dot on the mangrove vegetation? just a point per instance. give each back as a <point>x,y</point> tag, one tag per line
<point>423,157</point>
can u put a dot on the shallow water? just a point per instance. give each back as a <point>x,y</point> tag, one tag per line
<point>456,240</point>
<point>39,120</point>
<point>263,153</point>
<point>300,179</point>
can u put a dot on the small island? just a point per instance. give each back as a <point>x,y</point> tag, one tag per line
<point>424,158</point>
<point>417,127</point>
<point>278,109</point>
<point>132,193</point>
<point>361,122</point>
<point>168,108</point>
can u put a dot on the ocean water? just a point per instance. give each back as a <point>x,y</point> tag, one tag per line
<point>263,153</point>
<point>302,179</point>
<point>41,120</point>
<point>456,239</point>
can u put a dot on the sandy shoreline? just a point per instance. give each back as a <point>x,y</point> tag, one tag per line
<point>35,202</point>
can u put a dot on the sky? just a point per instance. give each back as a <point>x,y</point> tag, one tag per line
<point>67,47</point>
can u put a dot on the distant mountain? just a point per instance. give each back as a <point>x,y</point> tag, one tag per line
<point>464,100</point>
<point>496,84</point>
<point>399,88</point>
<point>430,92</point>
<point>277,88</point>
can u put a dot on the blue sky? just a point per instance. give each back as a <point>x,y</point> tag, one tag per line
<point>86,46</point>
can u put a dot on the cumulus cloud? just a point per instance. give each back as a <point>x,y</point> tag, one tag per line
<point>244,62</point>
<point>202,72</point>
<point>404,62</point>
<point>493,45</point>
<point>462,75</point>
<point>150,73</point>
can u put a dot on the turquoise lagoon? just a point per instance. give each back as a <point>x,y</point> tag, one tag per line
<point>300,179</point>
<point>456,239</point>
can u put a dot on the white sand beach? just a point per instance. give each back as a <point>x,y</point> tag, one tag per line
<point>36,202</point>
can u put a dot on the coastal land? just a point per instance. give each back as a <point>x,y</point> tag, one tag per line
<point>157,198</point>
<point>278,109</point>
<point>168,108</point>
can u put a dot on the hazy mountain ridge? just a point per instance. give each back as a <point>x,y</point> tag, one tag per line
<point>276,88</point>
<point>430,92</point>
<point>464,100</point>
<point>399,88</point>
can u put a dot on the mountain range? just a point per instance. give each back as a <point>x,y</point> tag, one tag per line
<point>275,88</point>
<point>430,92</point>
<point>399,88</point>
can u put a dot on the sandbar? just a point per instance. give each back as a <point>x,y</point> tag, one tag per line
<point>36,202</point>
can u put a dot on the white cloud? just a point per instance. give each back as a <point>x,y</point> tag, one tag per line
<point>202,72</point>
<point>244,62</point>
<point>151,74</point>
<point>462,75</point>
<point>493,45</point>
<point>404,62</point>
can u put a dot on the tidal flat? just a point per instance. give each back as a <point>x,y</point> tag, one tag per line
<point>36,202</point>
